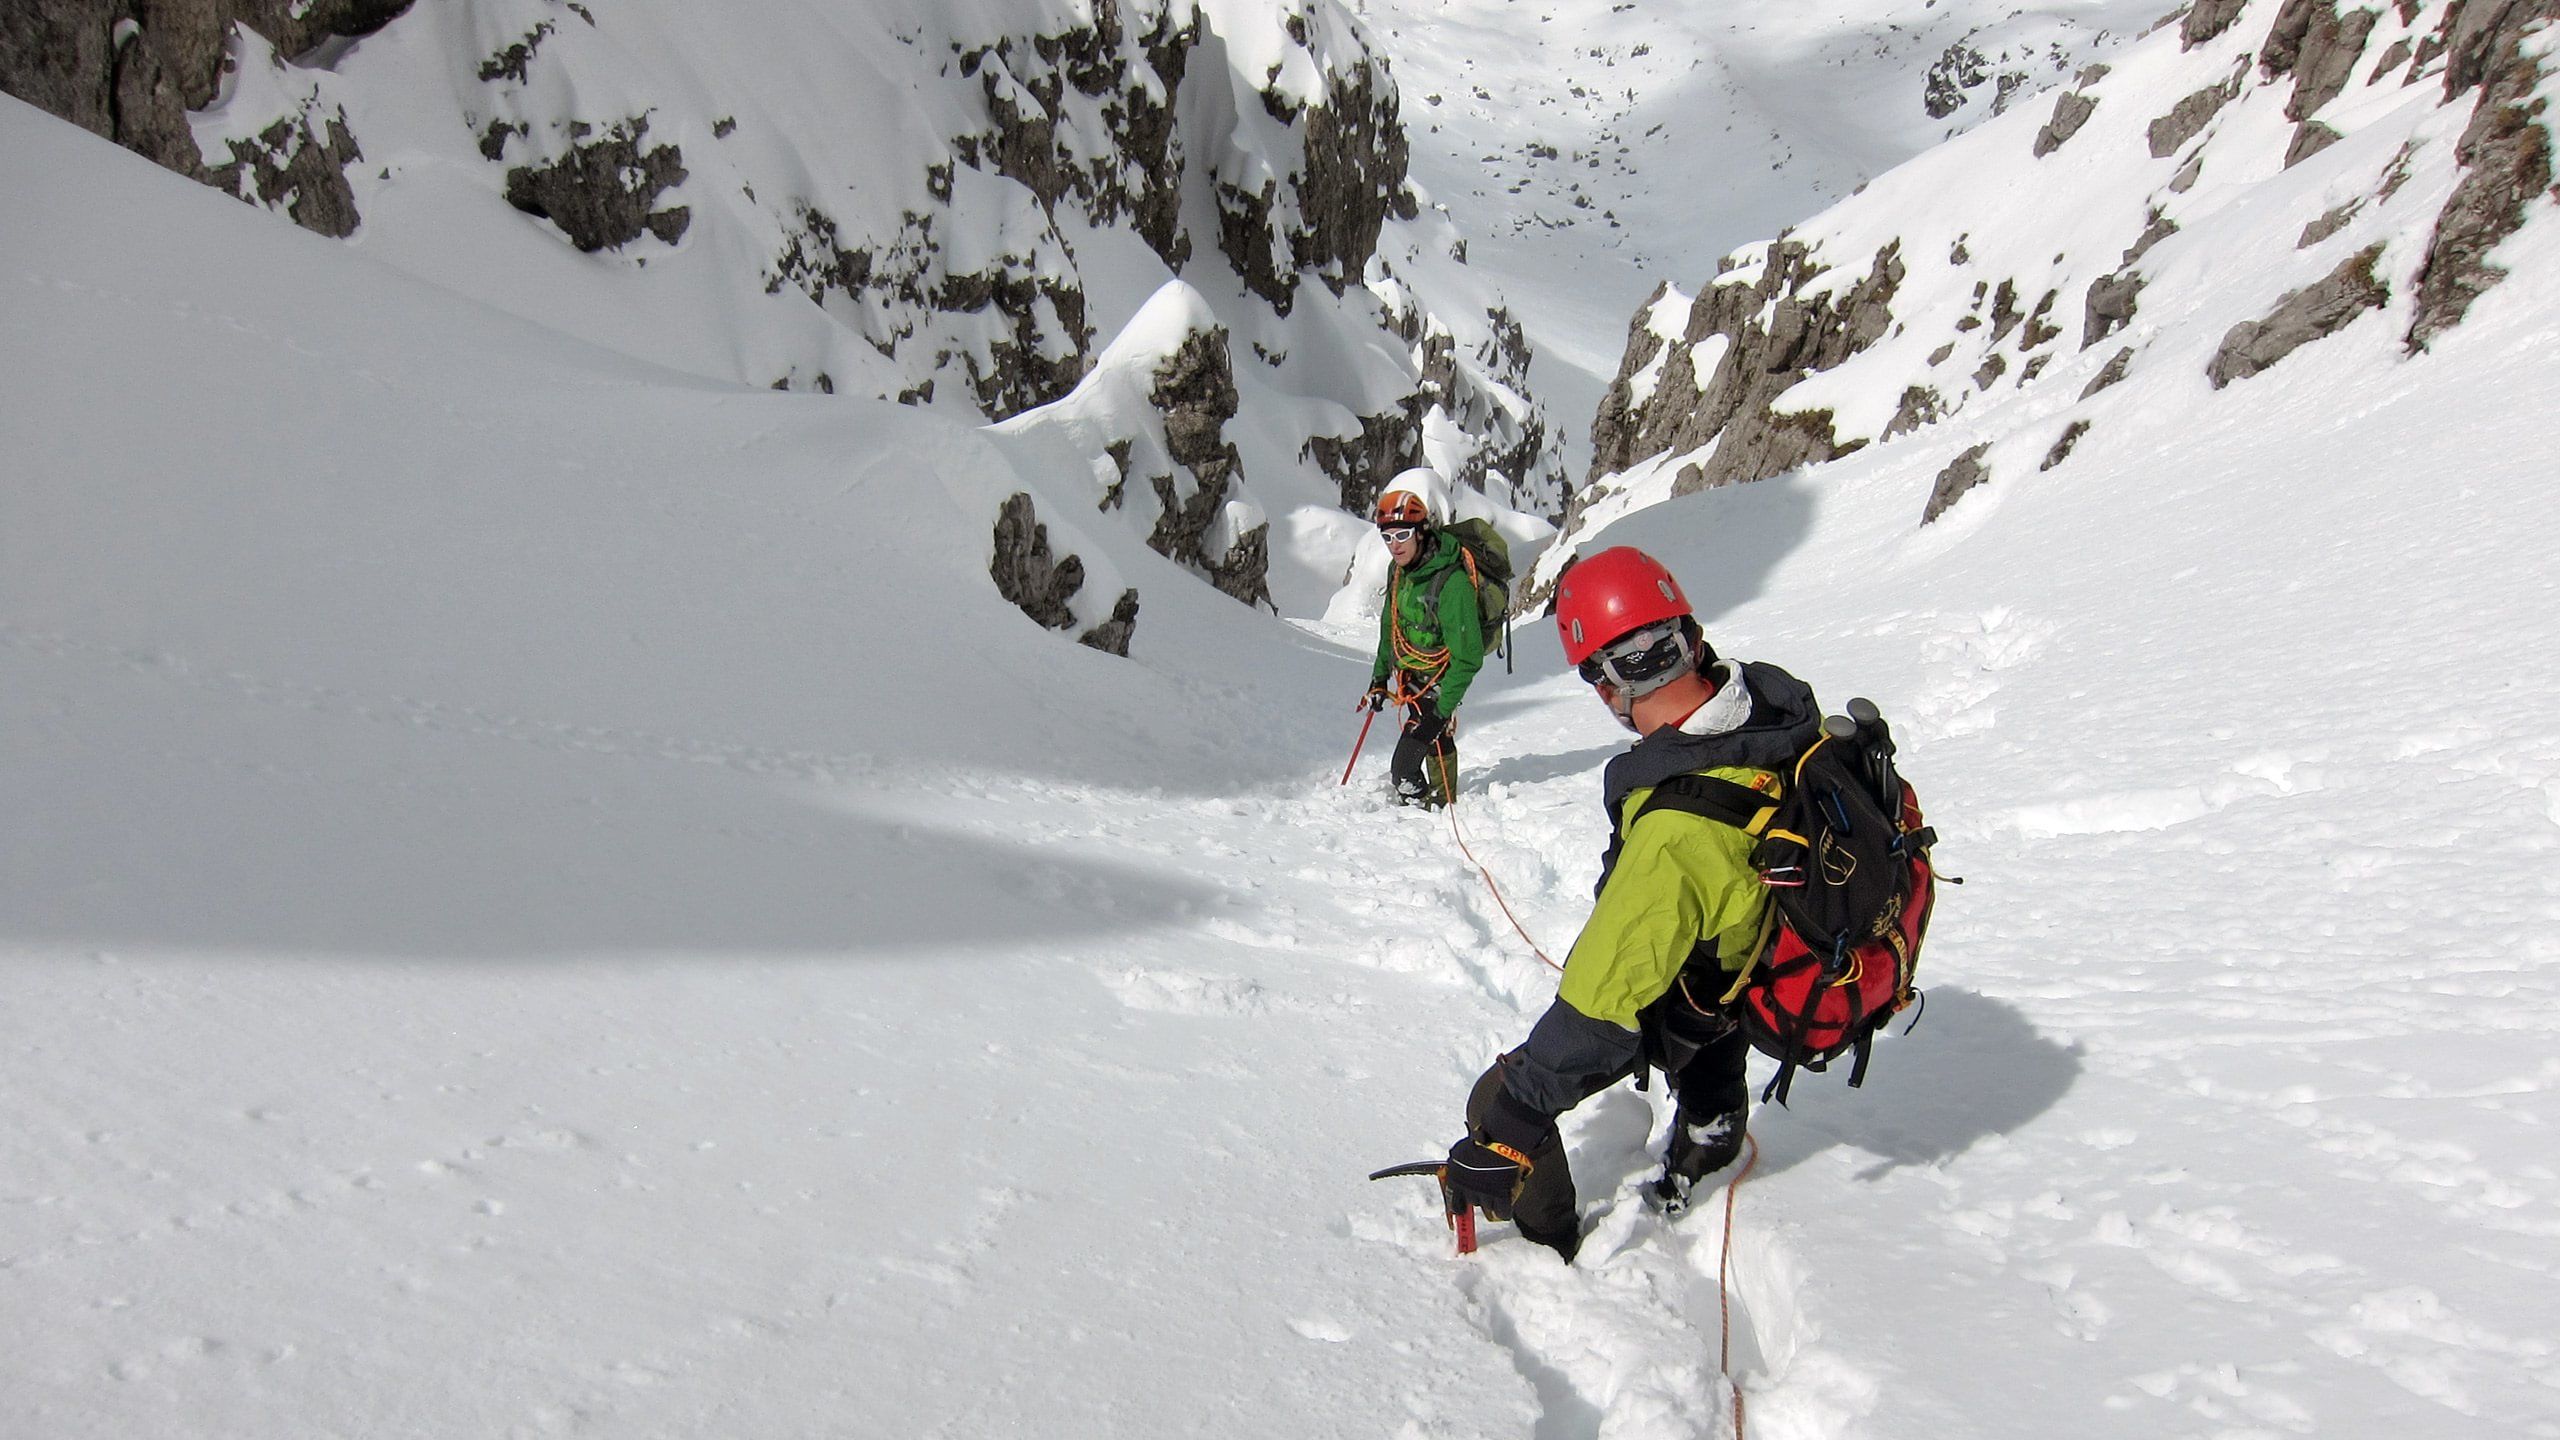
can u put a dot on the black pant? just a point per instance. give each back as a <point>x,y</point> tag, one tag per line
<point>1709,1082</point>
<point>1701,1054</point>
<point>1425,767</point>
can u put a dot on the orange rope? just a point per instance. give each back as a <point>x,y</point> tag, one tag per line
<point>1751,1143</point>
<point>1724,1287</point>
<point>1450,782</point>
<point>1409,656</point>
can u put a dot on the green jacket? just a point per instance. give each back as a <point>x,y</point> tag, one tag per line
<point>1432,605</point>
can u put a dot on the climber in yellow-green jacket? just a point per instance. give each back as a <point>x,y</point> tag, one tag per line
<point>1430,645</point>
<point>1680,914</point>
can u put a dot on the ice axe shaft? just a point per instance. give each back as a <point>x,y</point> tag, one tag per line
<point>1355,757</point>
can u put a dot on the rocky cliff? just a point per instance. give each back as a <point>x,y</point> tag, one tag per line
<point>2245,181</point>
<point>954,206</point>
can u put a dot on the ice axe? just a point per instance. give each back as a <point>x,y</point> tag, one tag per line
<point>1461,1215</point>
<point>1355,751</point>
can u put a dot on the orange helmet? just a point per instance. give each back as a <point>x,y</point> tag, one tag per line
<point>1402,507</point>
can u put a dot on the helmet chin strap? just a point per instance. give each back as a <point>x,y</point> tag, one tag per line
<point>1622,705</point>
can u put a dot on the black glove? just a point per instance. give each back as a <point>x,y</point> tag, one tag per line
<point>1488,1177</point>
<point>1488,1168</point>
<point>1376,699</point>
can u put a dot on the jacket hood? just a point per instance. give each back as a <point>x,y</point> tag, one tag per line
<point>1761,717</point>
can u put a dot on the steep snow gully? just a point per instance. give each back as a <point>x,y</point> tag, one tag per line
<point>544,895</point>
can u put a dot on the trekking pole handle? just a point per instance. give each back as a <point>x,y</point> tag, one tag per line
<point>1870,723</point>
<point>1879,739</point>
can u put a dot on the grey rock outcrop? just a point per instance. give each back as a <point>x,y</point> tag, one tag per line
<point>1355,177</point>
<point>2207,19</point>
<point>2330,223</point>
<point>1017,371</point>
<point>1195,391</point>
<point>129,71</point>
<point>1111,637</point>
<point>1960,67</point>
<point>1960,475</point>
<point>2505,153</point>
<point>1133,78</point>
<point>2113,372</point>
<point>2326,59</point>
<point>2285,34</point>
<point>2110,305</point>
<point>1777,334</point>
<point>1351,177</point>
<point>1511,446</point>
<point>1921,406</point>
<point>2309,139</point>
<point>2188,117</point>
<point>2063,444</point>
<point>300,170</point>
<point>1040,583</point>
<point>2007,70</point>
<point>2071,110</point>
<point>602,193</point>
<point>2317,310</point>
<point>1362,464</point>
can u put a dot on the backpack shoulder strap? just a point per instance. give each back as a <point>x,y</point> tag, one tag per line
<point>1709,796</point>
<point>1724,801</point>
<point>1467,564</point>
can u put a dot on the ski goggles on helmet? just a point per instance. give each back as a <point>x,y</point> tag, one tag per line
<point>1398,534</point>
<point>1640,662</point>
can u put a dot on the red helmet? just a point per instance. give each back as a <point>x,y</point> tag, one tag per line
<point>1402,507</point>
<point>1607,595</point>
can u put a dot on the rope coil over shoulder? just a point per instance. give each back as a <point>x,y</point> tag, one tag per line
<point>1411,659</point>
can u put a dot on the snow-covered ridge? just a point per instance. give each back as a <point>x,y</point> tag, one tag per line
<point>953,205</point>
<point>2246,179</point>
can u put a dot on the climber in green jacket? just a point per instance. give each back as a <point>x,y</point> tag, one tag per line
<point>1680,915</point>
<point>1430,646</point>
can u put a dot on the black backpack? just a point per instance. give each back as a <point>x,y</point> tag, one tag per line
<point>1845,854</point>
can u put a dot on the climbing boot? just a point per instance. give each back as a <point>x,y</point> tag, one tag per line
<point>1698,1149</point>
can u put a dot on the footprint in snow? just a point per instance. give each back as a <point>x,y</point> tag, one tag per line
<point>1174,992</point>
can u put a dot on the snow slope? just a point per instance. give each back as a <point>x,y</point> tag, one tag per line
<point>2105,255</point>
<point>958,206</point>
<point>1618,141</point>
<point>560,901</point>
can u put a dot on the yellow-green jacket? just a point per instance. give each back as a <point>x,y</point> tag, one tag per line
<point>1676,889</point>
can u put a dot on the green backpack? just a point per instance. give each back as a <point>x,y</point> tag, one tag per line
<point>1487,558</point>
